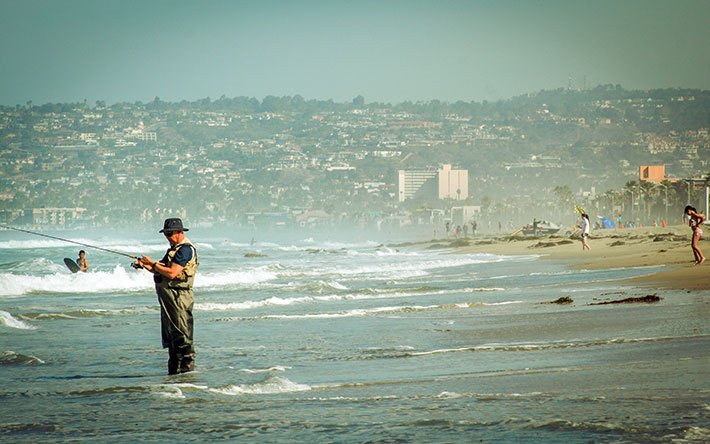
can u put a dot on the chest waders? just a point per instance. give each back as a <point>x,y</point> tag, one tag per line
<point>176,303</point>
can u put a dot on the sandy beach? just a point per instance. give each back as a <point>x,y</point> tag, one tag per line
<point>629,247</point>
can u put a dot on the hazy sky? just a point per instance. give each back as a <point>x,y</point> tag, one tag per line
<point>385,50</point>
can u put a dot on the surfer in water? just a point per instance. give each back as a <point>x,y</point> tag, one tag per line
<point>82,262</point>
<point>695,222</point>
<point>174,276</point>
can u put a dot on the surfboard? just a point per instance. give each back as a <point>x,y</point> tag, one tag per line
<point>71,265</point>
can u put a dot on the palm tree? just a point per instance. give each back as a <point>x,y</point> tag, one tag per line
<point>565,198</point>
<point>605,202</point>
<point>646,190</point>
<point>666,185</point>
<point>631,187</point>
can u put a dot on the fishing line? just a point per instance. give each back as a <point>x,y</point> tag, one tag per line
<point>70,241</point>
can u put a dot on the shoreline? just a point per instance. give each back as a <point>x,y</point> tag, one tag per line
<point>628,247</point>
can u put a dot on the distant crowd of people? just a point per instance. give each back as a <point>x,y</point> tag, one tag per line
<point>584,226</point>
<point>460,231</point>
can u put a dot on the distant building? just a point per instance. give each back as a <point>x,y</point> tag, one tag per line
<point>653,173</point>
<point>453,184</point>
<point>411,181</point>
<point>149,136</point>
<point>55,216</point>
<point>465,214</point>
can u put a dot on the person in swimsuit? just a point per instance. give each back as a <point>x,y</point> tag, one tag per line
<point>695,222</point>
<point>82,262</point>
<point>585,232</point>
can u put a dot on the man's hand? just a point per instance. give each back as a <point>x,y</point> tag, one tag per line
<point>146,262</point>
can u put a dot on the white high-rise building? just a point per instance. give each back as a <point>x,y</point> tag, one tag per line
<point>453,184</point>
<point>411,181</point>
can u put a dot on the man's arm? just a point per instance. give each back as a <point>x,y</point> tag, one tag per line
<point>170,272</point>
<point>174,269</point>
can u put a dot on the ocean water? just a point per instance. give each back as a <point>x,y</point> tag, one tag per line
<point>314,339</point>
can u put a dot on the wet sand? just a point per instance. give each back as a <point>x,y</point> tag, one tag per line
<point>630,247</point>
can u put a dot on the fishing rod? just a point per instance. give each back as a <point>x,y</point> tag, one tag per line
<point>70,241</point>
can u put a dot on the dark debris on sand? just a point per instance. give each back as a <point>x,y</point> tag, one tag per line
<point>669,237</point>
<point>551,244</point>
<point>648,299</point>
<point>456,243</point>
<point>562,301</point>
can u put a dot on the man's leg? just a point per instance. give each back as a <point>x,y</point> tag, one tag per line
<point>176,328</point>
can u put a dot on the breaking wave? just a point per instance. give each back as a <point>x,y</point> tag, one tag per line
<point>386,310</point>
<point>366,295</point>
<point>13,358</point>
<point>271,385</point>
<point>542,346</point>
<point>63,282</point>
<point>80,314</point>
<point>117,280</point>
<point>7,320</point>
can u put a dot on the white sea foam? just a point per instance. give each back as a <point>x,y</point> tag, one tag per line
<point>350,245</point>
<point>290,248</point>
<point>84,313</point>
<point>272,385</point>
<point>234,278</point>
<point>276,368</point>
<point>275,301</point>
<point>34,264</point>
<point>118,279</point>
<point>10,357</point>
<point>485,289</point>
<point>403,269</point>
<point>380,310</point>
<point>385,252</point>
<point>543,346</point>
<point>168,391</point>
<point>278,301</point>
<point>316,287</point>
<point>449,395</point>
<point>7,320</point>
<point>64,282</point>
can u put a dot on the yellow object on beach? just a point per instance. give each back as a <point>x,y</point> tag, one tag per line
<point>578,209</point>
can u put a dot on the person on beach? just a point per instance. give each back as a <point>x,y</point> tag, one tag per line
<point>695,222</point>
<point>585,232</point>
<point>82,262</point>
<point>174,277</point>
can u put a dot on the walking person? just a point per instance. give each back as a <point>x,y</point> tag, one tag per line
<point>695,222</point>
<point>585,232</point>
<point>174,277</point>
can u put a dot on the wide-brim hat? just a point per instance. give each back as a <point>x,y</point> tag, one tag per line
<point>173,224</point>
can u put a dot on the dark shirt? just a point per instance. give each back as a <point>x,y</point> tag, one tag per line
<point>182,257</point>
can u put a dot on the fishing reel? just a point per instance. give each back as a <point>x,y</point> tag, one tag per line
<point>136,265</point>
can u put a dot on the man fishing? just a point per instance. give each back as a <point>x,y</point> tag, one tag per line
<point>174,276</point>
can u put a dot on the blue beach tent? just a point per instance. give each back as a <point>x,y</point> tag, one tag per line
<point>606,222</point>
